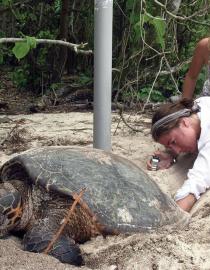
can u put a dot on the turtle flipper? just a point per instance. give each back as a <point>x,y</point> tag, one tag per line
<point>64,249</point>
<point>67,251</point>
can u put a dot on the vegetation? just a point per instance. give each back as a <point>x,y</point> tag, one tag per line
<point>153,42</point>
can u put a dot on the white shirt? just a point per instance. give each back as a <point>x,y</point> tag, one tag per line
<point>198,178</point>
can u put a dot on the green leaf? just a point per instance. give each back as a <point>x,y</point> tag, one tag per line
<point>160,26</point>
<point>147,17</point>
<point>21,49</point>
<point>138,27</point>
<point>138,31</point>
<point>31,41</point>
<point>134,18</point>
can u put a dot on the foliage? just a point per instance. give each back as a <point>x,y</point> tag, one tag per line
<point>156,96</point>
<point>36,65</point>
<point>154,43</point>
<point>22,48</point>
<point>159,25</point>
<point>141,95</point>
<point>19,77</point>
<point>149,43</point>
<point>85,79</point>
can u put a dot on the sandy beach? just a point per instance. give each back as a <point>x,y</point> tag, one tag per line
<point>187,248</point>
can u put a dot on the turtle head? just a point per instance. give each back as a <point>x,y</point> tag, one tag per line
<point>10,208</point>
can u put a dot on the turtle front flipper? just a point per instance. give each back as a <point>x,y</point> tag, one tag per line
<point>37,240</point>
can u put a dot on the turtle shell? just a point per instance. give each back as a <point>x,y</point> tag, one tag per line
<point>120,194</point>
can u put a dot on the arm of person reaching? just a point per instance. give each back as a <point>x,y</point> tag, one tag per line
<point>187,203</point>
<point>200,58</point>
<point>198,180</point>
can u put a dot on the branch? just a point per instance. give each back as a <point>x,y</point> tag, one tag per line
<point>161,73</point>
<point>175,68</point>
<point>201,23</point>
<point>153,84</point>
<point>75,47</point>
<point>184,18</point>
<point>171,74</point>
<point>128,125</point>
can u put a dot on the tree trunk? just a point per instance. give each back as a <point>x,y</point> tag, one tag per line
<point>63,35</point>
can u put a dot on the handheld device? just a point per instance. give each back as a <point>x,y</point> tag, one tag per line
<point>154,163</point>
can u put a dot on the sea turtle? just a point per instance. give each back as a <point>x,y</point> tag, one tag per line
<point>38,186</point>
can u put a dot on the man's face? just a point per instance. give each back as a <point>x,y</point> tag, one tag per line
<point>181,139</point>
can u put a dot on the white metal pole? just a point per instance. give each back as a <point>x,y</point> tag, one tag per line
<point>103,15</point>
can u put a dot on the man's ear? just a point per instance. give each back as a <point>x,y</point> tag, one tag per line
<point>184,122</point>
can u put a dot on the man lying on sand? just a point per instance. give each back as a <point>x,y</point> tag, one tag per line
<point>184,127</point>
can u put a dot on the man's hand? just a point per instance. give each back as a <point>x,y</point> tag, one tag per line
<point>187,203</point>
<point>166,160</point>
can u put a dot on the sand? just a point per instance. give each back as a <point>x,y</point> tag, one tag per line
<point>188,248</point>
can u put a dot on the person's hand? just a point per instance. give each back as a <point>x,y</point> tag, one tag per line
<point>187,203</point>
<point>166,160</point>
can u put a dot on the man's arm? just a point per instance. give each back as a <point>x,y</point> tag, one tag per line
<point>200,58</point>
<point>187,203</point>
